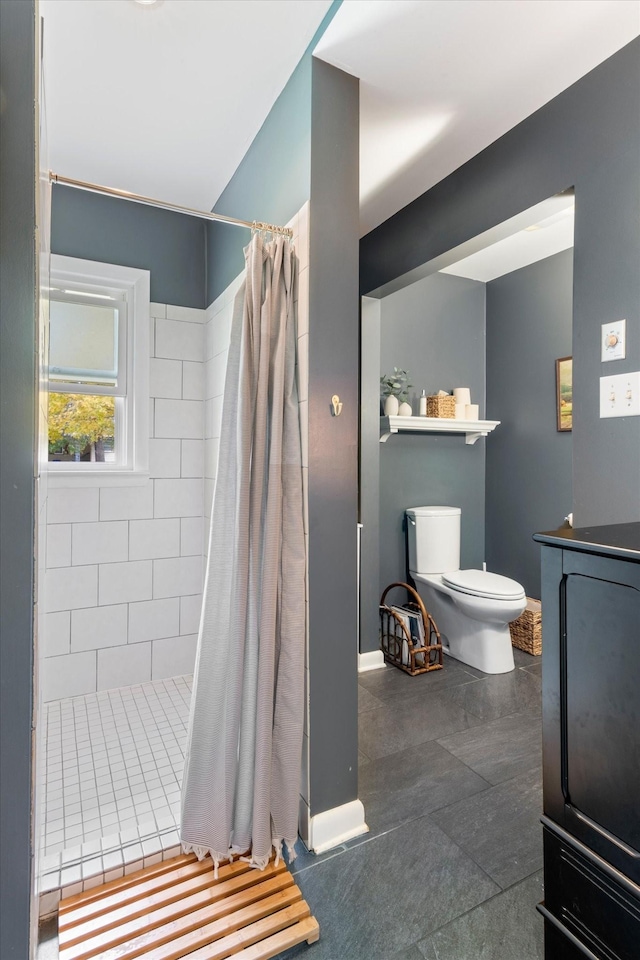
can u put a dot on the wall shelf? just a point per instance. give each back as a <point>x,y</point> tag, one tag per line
<point>472,429</point>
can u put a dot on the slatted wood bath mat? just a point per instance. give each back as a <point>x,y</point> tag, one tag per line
<point>177,910</point>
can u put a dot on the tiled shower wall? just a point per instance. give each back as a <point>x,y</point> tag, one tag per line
<point>217,332</point>
<point>124,563</point>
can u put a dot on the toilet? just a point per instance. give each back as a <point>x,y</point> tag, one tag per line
<point>472,608</point>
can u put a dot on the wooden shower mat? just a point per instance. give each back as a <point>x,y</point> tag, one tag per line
<point>176,909</point>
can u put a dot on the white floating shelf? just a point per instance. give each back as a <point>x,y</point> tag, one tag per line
<point>472,429</point>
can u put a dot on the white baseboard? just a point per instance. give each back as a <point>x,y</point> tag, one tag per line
<point>370,661</point>
<point>336,826</point>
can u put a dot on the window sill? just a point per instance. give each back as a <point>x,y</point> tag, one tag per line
<point>96,478</point>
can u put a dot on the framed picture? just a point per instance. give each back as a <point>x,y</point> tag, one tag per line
<point>564,393</point>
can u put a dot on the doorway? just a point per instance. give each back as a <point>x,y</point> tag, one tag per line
<point>493,315</point>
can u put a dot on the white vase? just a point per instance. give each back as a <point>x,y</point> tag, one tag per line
<point>405,410</point>
<point>391,406</point>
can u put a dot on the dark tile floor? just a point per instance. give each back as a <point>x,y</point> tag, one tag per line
<point>450,778</point>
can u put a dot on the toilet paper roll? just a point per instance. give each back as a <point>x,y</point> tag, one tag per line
<point>461,409</point>
<point>462,394</point>
<point>472,411</point>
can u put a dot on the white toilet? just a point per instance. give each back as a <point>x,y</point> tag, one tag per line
<point>472,608</point>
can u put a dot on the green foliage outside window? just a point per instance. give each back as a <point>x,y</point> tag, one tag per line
<point>80,426</point>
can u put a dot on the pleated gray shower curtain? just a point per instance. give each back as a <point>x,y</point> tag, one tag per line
<point>242,768</point>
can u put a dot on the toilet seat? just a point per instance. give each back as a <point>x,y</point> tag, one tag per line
<point>481,583</point>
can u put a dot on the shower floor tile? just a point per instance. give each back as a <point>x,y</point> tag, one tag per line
<point>109,782</point>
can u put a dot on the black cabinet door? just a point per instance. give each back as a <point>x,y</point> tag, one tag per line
<point>603,705</point>
<point>600,706</point>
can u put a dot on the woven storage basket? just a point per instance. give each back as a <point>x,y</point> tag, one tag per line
<point>526,631</point>
<point>396,642</point>
<point>444,407</point>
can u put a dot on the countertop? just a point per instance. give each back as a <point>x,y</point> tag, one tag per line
<point>616,539</point>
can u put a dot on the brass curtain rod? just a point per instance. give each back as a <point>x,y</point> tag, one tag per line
<point>151,202</point>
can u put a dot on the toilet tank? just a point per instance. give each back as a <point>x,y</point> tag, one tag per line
<point>434,539</point>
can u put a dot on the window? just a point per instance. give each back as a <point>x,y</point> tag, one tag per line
<point>98,370</point>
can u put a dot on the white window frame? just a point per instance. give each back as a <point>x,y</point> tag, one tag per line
<point>132,410</point>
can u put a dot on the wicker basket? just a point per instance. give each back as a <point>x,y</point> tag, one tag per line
<point>526,631</point>
<point>444,407</point>
<point>396,642</point>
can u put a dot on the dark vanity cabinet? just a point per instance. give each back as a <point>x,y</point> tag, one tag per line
<point>591,742</point>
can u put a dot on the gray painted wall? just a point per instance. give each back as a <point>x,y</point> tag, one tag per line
<point>333,441</point>
<point>528,461</point>
<point>171,245</point>
<point>17,427</point>
<point>434,329</point>
<point>271,183</point>
<point>587,137</point>
<point>273,180</point>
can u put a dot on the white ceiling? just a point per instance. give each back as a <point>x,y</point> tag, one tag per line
<point>539,232</point>
<point>442,79</point>
<point>165,100</point>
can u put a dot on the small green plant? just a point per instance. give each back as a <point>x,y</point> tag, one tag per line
<point>396,385</point>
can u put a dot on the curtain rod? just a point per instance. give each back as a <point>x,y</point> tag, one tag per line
<point>151,202</point>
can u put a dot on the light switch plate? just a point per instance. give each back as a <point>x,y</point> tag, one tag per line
<point>613,340</point>
<point>620,395</point>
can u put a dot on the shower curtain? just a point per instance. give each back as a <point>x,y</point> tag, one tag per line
<point>242,768</point>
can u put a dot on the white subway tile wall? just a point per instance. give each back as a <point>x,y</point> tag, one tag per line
<point>57,633</point>
<point>154,539</point>
<point>69,588</point>
<point>165,378</point>
<point>119,666</point>
<point>168,652</point>
<point>154,619</point>
<point>192,464</point>
<point>177,577</point>
<point>120,558</point>
<point>192,380</point>
<point>98,627</point>
<point>106,542</point>
<point>125,582</point>
<point>178,498</point>
<point>178,418</point>
<point>59,546</point>
<point>126,503</point>
<point>179,340</point>
<point>192,536</point>
<point>190,614</point>
<point>189,314</point>
<point>70,675</point>
<point>164,458</point>
<point>77,505</point>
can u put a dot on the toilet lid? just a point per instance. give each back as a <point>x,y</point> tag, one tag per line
<point>481,583</point>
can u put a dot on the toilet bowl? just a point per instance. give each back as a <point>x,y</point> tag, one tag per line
<point>472,608</point>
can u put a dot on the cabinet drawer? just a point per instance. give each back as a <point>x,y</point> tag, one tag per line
<point>584,895</point>
<point>558,947</point>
